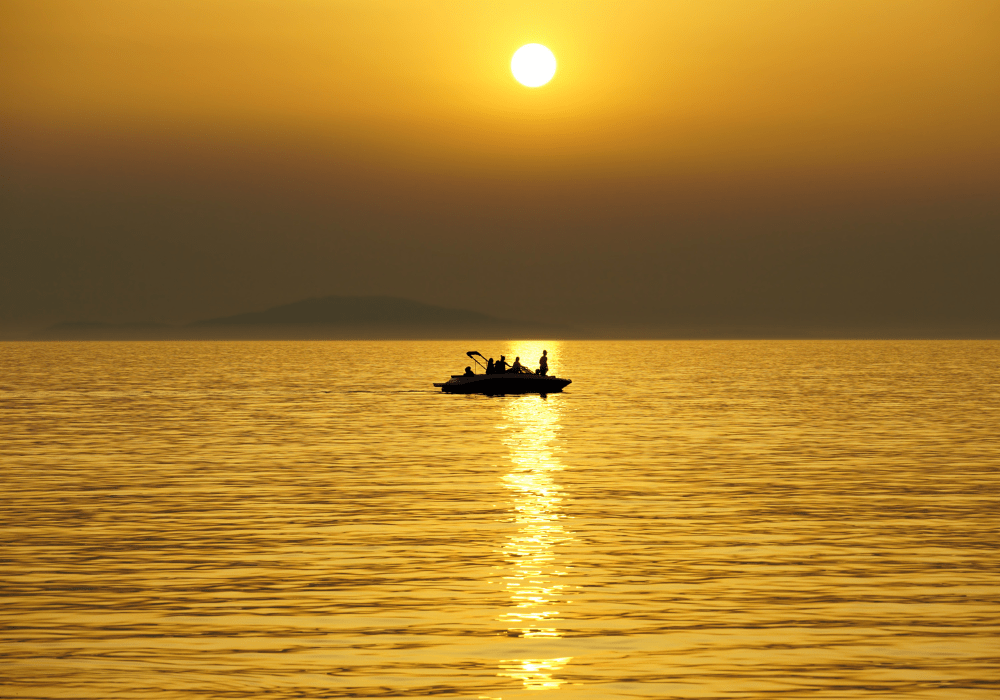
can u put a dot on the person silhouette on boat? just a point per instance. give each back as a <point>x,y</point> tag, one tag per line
<point>516,367</point>
<point>543,363</point>
<point>500,367</point>
<point>489,367</point>
<point>469,372</point>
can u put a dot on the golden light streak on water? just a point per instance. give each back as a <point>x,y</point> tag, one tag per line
<point>531,553</point>
<point>536,674</point>
<point>534,567</point>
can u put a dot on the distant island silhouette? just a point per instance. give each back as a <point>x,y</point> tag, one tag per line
<point>332,317</point>
<point>394,318</point>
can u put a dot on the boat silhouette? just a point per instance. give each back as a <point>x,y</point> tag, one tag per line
<point>498,383</point>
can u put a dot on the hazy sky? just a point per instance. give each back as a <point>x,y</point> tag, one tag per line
<point>785,163</point>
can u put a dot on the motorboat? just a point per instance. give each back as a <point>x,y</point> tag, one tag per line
<point>495,384</point>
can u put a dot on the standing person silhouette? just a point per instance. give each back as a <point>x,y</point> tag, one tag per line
<point>501,365</point>
<point>543,363</point>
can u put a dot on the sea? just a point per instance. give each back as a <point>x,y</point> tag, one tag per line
<point>688,519</point>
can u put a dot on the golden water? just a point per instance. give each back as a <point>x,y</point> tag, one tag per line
<point>315,520</point>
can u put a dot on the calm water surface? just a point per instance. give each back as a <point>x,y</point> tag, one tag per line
<point>315,520</point>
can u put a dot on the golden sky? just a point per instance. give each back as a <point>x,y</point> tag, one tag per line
<point>661,84</point>
<point>776,160</point>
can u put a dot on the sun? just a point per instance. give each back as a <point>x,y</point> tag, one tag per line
<point>533,65</point>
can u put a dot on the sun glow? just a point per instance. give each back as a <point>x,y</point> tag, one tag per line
<point>533,65</point>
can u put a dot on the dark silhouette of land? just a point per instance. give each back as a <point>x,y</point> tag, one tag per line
<point>334,317</point>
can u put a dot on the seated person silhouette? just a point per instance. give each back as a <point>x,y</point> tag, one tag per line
<point>516,367</point>
<point>489,367</point>
<point>469,372</point>
<point>500,367</point>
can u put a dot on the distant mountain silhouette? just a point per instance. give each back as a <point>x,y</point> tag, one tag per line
<point>374,310</point>
<point>327,317</point>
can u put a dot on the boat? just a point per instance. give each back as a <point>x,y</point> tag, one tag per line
<point>523,382</point>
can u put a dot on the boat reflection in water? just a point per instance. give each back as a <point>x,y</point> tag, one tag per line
<point>534,572</point>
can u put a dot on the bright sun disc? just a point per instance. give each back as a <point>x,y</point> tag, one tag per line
<point>533,65</point>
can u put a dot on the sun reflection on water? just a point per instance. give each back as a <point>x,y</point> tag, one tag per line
<point>536,674</point>
<point>533,568</point>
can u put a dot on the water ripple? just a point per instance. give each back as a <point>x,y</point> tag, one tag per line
<point>710,519</point>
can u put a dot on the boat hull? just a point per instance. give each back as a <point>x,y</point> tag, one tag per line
<point>497,384</point>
